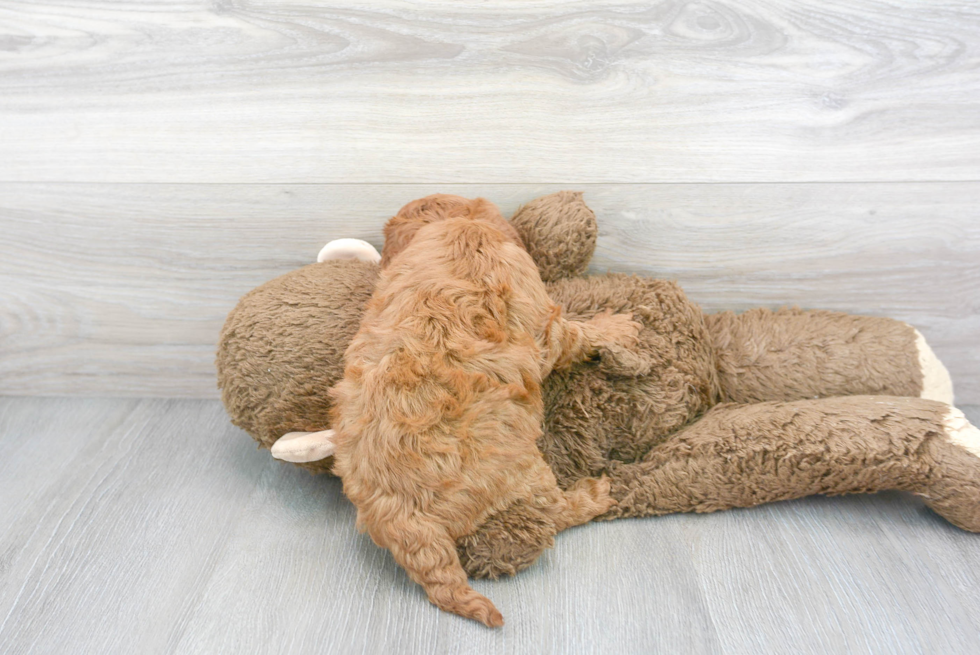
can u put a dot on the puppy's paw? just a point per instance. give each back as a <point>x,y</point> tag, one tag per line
<point>603,498</point>
<point>616,329</point>
<point>597,491</point>
<point>624,362</point>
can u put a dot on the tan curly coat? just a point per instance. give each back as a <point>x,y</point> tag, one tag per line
<point>440,406</point>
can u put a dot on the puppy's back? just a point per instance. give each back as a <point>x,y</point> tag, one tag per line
<point>440,407</point>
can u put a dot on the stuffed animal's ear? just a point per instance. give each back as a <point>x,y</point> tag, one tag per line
<point>559,230</point>
<point>349,249</point>
<point>300,447</point>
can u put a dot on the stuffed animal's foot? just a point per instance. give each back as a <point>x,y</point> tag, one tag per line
<point>954,489</point>
<point>301,447</point>
<point>936,383</point>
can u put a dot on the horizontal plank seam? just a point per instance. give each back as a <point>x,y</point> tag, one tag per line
<point>491,183</point>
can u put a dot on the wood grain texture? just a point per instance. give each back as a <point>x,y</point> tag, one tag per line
<point>497,91</point>
<point>156,527</point>
<point>122,289</point>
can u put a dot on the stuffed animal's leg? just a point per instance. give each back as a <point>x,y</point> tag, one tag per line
<point>744,455</point>
<point>793,354</point>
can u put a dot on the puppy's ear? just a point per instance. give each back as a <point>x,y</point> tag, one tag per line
<point>485,210</point>
<point>401,228</point>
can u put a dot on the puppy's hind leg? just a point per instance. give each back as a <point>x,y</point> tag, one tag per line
<point>514,538</point>
<point>584,500</point>
<point>428,554</point>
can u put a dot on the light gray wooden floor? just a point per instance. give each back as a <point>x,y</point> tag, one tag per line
<point>152,526</point>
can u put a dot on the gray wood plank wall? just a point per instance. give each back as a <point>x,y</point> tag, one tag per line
<point>121,289</point>
<point>158,160</point>
<point>498,91</point>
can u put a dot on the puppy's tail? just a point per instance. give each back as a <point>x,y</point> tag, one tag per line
<point>428,554</point>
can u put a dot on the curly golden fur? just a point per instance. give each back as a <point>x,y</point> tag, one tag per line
<point>440,406</point>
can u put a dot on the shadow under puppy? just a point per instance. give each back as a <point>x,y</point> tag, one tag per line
<point>440,407</point>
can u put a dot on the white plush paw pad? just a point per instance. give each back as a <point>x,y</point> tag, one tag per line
<point>936,383</point>
<point>299,447</point>
<point>349,249</point>
<point>961,432</point>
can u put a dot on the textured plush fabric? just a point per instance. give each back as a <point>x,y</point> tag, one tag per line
<point>506,544</point>
<point>791,353</point>
<point>749,454</point>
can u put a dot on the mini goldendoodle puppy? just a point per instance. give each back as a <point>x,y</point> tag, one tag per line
<point>440,405</point>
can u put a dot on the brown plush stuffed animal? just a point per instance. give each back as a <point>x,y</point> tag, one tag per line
<point>709,412</point>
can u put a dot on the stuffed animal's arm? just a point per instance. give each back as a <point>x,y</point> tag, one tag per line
<point>744,455</point>
<point>793,354</point>
<point>349,249</point>
<point>300,447</point>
